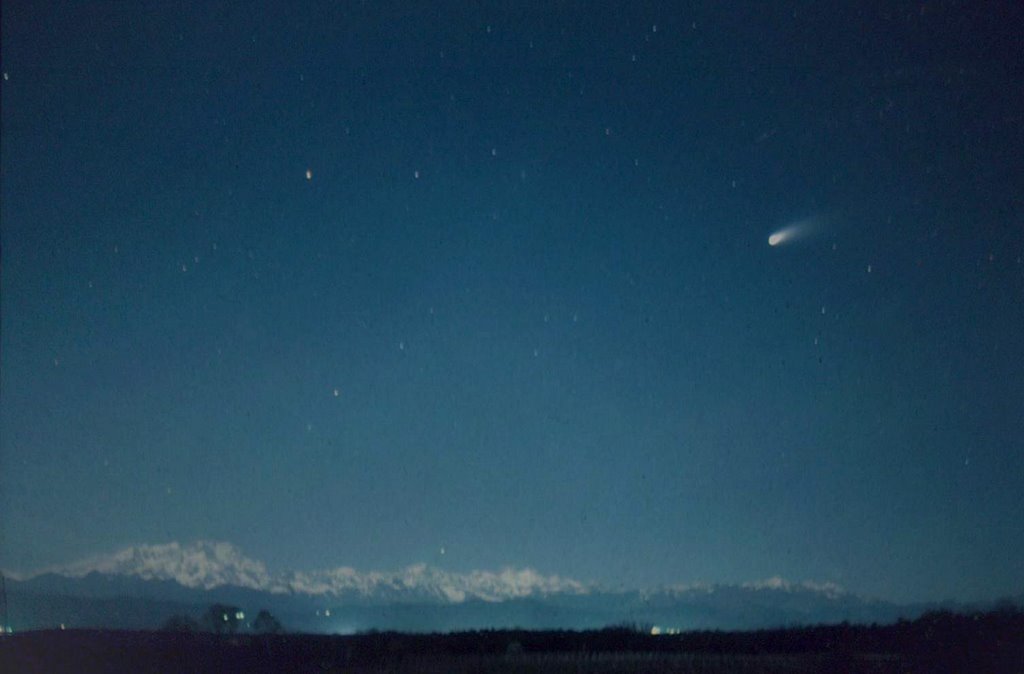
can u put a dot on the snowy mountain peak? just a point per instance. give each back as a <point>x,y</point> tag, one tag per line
<point>201,564</point>
<point>777,583</point>
<point>424,581</point>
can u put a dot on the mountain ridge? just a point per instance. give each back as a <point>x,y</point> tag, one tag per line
<point>208,565</point>
<point>135,586</point>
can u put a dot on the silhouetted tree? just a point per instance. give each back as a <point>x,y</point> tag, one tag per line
<point>222,619</point>
<point>266,623</point>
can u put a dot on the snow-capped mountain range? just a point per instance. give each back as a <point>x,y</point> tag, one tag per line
<point>211,564</point>
<point>140,586</point>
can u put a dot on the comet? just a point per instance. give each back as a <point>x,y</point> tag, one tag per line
<point>793,231</point>
<point>782,236</point>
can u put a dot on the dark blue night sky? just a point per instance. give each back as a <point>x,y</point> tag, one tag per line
<point>352,283</point>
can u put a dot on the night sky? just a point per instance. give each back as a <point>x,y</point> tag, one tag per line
<point>489,283</point>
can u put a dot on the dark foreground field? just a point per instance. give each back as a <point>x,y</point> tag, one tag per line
<point>936,643</point>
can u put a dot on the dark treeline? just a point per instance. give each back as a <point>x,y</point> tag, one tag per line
<point>942,630</point>
<point>938,642</point>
